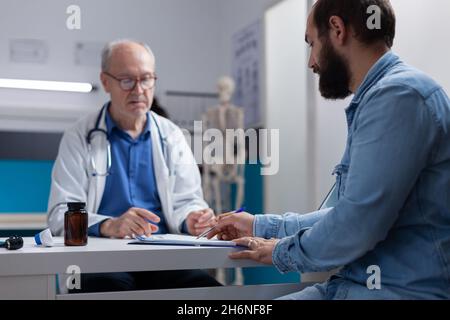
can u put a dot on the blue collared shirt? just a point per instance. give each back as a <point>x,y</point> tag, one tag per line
<point>131,182</point>
<point>393,207</point>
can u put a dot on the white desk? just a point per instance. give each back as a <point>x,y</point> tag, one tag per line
<point>29,273</point>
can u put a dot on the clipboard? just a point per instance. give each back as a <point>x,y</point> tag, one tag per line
<point>182,240</point>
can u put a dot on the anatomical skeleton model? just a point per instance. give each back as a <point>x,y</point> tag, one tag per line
<point>218,178</point>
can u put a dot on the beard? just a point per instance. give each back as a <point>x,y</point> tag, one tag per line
<point>334,81</point>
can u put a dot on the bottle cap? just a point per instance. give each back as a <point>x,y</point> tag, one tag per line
<point>76,205</point>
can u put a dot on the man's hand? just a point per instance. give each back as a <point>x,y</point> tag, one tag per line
<point>259,249</point>
<point>198,221</point>
<point>135,221</point>
<point>232,226</point>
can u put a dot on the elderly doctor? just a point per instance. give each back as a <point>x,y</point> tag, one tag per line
<point>133,169</point>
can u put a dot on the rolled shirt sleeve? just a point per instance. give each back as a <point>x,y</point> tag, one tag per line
<point>280,226</point>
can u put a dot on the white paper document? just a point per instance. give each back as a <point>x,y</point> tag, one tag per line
<point>183,240</point>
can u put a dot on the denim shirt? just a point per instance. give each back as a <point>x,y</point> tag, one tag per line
<point>393,207</point>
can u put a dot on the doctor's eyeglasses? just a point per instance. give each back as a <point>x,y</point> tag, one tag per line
<point>128,84</point>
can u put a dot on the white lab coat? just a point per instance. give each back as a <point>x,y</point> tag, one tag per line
<point>177,175</point>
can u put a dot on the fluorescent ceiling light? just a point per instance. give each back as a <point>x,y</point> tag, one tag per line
<point>46,85</point>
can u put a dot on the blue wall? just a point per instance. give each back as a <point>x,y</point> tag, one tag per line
<point>25,185</point>
<point>253,200</point>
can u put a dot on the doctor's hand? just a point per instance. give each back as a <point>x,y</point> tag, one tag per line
<point>198,221</point>
<point>135,221</point>
<point>232,226</point>
<point>259,249</point>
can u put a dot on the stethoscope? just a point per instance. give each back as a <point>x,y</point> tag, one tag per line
<point>97,129</point>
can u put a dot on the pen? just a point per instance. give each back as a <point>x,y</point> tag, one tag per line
<point>207,231</point>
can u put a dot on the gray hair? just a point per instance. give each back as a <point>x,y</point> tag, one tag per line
<point>109,47</point>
